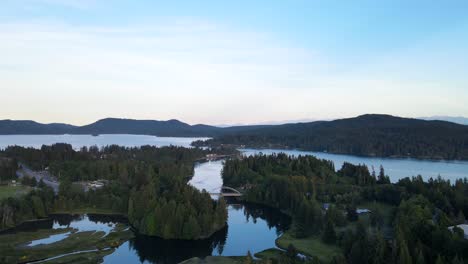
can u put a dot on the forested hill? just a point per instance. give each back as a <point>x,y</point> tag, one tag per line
<point>169,128</point>
<point>27,127</point>
<point>368,135</point>
<point>173,128</point>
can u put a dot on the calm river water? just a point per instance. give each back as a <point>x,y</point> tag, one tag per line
<point>250,228</point>
<point>234,240</point>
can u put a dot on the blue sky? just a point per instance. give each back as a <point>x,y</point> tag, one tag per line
<point>230,62</point>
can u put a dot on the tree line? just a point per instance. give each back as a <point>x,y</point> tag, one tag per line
<point>8,167</point>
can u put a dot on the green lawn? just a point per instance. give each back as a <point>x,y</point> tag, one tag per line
<point>13,191</point>
<point>214,260</point>
<point>311,246</point>
<point>82,258</point>
<point>271,253</point>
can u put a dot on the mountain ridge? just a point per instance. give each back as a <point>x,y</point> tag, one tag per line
<point>367,135</point>
<point>174,127</point>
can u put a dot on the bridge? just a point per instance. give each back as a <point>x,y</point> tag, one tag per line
<point>231,192</point>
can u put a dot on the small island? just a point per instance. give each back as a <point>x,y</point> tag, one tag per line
<point>147,185</point>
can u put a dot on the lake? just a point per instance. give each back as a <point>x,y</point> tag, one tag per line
<point>78,141</point>
<point>394,167</point>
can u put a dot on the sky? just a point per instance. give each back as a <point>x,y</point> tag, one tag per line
<point>231,62</point>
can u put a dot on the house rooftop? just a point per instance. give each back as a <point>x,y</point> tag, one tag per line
<point>464,227</point>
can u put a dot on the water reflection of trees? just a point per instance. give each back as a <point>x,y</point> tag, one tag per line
<point>66,219</point>
<point>30,226</point>
<point>107,219</point>
<point>273,217</point>
<point>162,251</point>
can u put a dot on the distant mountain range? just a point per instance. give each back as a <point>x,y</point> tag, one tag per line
<point>173,128</point>
<point>453,119</point>
<point>370,135</point>
<point>11,127</point>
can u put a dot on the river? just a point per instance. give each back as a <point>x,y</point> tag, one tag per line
<point>243,220</point>
<point>235,240</point>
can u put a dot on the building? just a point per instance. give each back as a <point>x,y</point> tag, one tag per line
<point>464,227</point>
<point>362,211</point>
<point>96,184</point>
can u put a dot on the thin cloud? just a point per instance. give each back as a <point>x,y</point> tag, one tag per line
<point>80,4</point>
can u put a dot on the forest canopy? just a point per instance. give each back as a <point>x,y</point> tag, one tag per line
<point>404,222</point>
<point>148,184</point>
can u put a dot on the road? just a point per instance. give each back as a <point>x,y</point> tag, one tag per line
<point>44,175</point>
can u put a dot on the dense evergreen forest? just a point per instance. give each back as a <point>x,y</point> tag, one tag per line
<point>147,184</point>
<point>408,221</point>
<point>368,135</point>
<point>8,169</point>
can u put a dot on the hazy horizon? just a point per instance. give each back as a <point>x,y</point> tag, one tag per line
<point>453,119</point>
<point>231,63</point>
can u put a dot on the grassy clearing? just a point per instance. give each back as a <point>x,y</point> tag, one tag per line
<point>21,239</point>
<point>82,258</point>
<point>215,260</point>
<point>310,246</point>
<point>13,191</point>
<point>271,253</point>
<point>14,249</point>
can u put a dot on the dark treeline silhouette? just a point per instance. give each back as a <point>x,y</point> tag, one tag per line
<point>324,203</point>
<point>8,169</point>
<point>148,184</point>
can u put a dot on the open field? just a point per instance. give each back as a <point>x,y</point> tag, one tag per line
<point>310,246</point>
<point>82,258</point>
<point>271,253</point>
<point>215,260</point>
<point>13,191</point>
